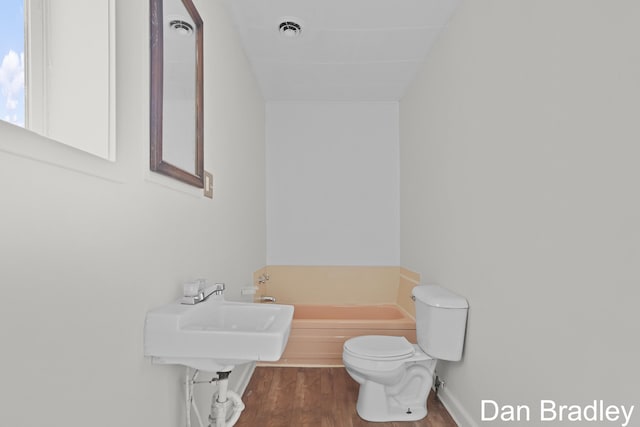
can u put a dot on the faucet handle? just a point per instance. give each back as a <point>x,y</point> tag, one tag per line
<point>193,292</point>
<point>192,289</point>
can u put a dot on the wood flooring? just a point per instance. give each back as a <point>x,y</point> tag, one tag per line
<point>316,397</point>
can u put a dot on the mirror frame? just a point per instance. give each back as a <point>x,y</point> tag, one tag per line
<point>157,162</point>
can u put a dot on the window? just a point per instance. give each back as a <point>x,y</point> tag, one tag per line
<point>58,71</point>
<point>12,106</point>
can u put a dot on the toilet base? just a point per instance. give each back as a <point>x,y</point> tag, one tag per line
<point>369,412</point>
<point>404,401</point>
<point>375,404</point>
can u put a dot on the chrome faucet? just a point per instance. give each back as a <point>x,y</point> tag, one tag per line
<point>203,293</point>
<point>266,298</point>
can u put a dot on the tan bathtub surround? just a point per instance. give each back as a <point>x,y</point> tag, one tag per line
<point>408,280</point>
<point>318,332</point>
<point>338,284</point>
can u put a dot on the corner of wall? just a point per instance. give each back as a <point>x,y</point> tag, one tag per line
<point>455,409</point>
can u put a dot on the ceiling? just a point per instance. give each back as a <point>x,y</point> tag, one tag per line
<point>348,50</point>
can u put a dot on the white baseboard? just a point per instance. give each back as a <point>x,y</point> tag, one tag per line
<point>455,409</point>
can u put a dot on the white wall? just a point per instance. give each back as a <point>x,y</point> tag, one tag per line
<point>332,184</point>
<point>82,258</point>
<point>519,189</point>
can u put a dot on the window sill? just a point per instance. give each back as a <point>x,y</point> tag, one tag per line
<point>24,143</point>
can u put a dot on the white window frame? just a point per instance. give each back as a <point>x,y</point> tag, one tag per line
<point>31,144</point>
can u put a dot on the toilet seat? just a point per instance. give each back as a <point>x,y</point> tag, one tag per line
<point>379,347</point>
<point>380,354</point>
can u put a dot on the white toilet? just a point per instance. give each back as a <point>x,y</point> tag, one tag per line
<point>395,376</point>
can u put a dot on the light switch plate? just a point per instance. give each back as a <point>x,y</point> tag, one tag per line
<point>208,184</point>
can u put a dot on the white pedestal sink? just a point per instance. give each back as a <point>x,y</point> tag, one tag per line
<point>214,335</point>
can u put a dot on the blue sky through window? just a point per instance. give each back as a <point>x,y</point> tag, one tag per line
<point>12,106</point>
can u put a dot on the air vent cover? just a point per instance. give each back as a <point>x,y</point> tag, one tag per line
<point>290,29</point>
<point>181,27</point>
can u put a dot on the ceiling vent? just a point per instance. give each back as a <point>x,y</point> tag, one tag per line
<point>181,27</point>
<point>290,29</point>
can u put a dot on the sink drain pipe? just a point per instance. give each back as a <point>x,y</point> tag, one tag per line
<point>225,401</point>
<point>225,404</point>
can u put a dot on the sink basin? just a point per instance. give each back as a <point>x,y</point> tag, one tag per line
<point>215,335</point>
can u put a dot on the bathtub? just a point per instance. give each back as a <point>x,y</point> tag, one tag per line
<point>318,332</point>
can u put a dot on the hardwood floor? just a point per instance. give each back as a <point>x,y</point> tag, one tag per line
<point>315,397</point>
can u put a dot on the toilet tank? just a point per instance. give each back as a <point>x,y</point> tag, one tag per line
<point>441,321</point>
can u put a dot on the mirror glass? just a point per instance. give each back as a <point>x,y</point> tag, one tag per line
<point>176,91</point>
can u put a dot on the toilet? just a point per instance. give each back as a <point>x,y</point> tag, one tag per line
<point>395,376</point>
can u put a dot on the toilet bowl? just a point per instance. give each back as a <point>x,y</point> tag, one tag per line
<point>395,376</point>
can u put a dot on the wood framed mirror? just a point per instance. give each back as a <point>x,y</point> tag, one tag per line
<point>177,135</point>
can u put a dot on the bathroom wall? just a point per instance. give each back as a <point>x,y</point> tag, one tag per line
<point>332,184</point>
<point>84,255</point>
<point>519,160</point>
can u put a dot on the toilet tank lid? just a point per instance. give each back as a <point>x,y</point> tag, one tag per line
<point>437,296</point>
